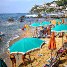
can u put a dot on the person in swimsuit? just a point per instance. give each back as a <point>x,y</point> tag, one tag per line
<point>13,59</point>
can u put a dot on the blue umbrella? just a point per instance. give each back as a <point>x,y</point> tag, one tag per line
<point>58,20</point>
<point>60,28</point>
<point>25,45</point>
<point>36,24</point>
<point>45,23</point>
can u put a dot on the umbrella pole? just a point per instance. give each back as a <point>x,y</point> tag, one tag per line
<point>62,40</point>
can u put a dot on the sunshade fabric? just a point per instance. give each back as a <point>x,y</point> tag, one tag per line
<point>45,23</point>
<point>60,28</point>
<point>26,44</point>
<point>58,20</point>
<point>37,24</point>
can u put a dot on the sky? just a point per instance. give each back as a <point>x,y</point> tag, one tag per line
<point>19,6</point>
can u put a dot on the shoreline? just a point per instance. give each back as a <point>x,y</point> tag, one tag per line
<point>41,60</point>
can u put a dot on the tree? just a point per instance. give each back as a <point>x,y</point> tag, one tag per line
<point>50,10</point>
<point>61,2</point>
<point>34,9</point>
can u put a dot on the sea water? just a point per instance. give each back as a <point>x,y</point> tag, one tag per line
<point>12,30</point>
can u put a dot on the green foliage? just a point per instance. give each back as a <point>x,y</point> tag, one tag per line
<point>34,9</point>
<point>61,2</point>
<point>48,4</point>
<point>50,10</point>
<point>47,9</point>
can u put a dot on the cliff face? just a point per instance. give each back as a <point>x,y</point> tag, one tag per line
<point>56,5</point>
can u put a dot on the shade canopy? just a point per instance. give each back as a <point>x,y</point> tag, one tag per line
<point>45,23</point>
<point>58,20</point>
<point>37,24</point>
<point>60,28</point>
<point>25,45</point>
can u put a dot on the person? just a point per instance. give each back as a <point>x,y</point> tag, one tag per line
<point>62,21</point>
<point>24,58</point>
<point>36,32</point>
<point>24,27</point>
<point>13,59</point>
<point>48,30</point>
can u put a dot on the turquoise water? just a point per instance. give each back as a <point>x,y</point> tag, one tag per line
<point>12,29</point>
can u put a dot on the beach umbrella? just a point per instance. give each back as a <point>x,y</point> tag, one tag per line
<point>60,28</point>
<point>35,24</point>
<point>38,24</point>
<point>58,20</point>
<point>25,45</point>
<point>52,44</point>
<point>42,24</point>
<point>2,63</point>
<point>45,23</point>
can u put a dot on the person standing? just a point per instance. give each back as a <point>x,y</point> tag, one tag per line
<point>13,60</point>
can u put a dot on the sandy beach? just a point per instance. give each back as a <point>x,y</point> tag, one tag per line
<point>33,33</point>
<point>45,53</point>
